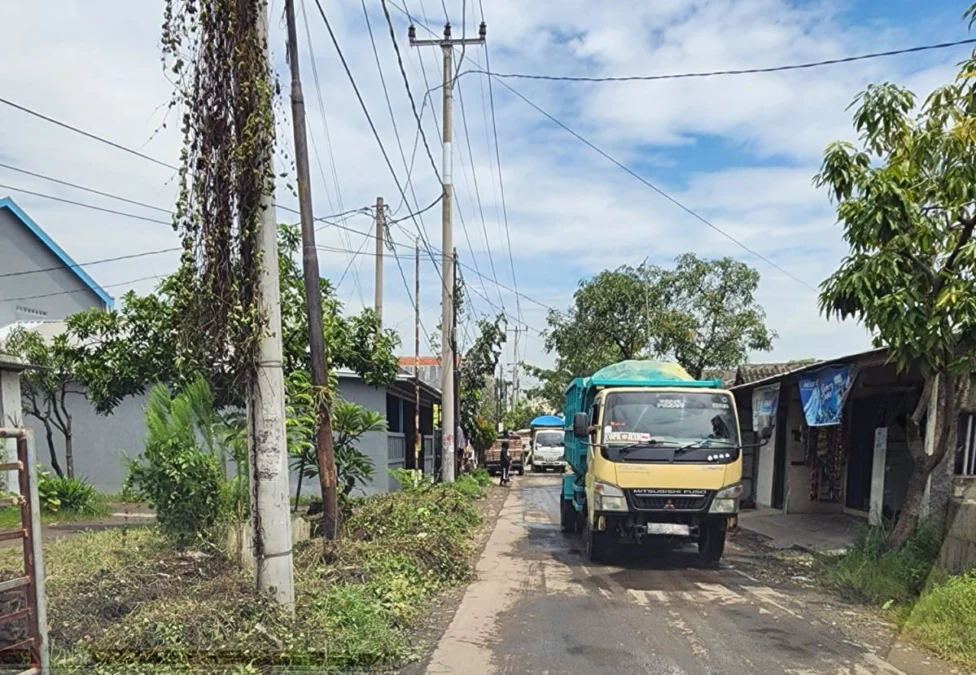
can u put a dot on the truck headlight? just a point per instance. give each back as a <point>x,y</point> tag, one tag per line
<point>608,497</point>
<point>726,500</point>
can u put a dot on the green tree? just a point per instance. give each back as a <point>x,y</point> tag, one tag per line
<point>46,388</point>
<point>702,313</point>
<point>708,316</point>
<point>476,372</point>
<point>906,197</point>
<point>122,352</point>
<point>526,410</point>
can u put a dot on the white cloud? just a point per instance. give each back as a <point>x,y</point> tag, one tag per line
<point>739,150</point>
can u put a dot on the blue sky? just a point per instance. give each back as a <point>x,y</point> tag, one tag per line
<point>741,150</point>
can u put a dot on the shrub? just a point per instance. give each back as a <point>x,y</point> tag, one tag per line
<point>184,485</point>
<point>482,476</point>
<point>944,620</point>
<point>885,577</point>
<point>72,495</point>
<point>468,486</point>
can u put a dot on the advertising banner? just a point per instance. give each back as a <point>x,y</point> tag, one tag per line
<point>823,392</point>
<point>764,403</point>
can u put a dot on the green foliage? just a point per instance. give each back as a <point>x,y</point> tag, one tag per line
<point>524,412</point>
<point>944,619</point>
<point>482,477</point>
<point>151,609</point>
<point>182,483</point>
<point>46,387</point>
<point>482,436</point>
<point>476,371</point>
<point>702,313</point>
<point>880,576</point>
<point>123,351</point>
<point>468,486</point>
<point>69,495</point>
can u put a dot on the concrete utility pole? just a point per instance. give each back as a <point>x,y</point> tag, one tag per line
<point>416,356</point>
<point>380,231</point>
<point>270,515</point>
<point>313,294</point>
<point>454,350</point>
<point>448,356</point>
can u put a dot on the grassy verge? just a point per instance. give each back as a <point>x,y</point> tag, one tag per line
<point>10,515</point>
<point>944,619</point>
<point>938,613</point>
<point>124,601</point>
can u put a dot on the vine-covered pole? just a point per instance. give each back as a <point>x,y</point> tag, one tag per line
<point>313,293</point>
<point>270,515</point>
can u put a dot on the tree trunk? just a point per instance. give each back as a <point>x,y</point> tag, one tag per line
<point>69,456</point>
<point>950,390</point>
<point>49,434</point>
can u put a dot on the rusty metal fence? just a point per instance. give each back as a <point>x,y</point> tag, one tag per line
<point>22,598</point>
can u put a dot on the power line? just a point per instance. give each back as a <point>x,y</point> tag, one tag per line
<point>88,134</point>
<point>410,216</point>
<point>79,290</point>
<point>84,205</point>
<point>85,189</point>
<point>501,183</point>
<point>406,83</point>
<point>90,263</point>
<point>656,189</point>
<point>372,126</point>
<point>718,73</point>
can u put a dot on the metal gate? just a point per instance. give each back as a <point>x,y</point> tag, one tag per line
<point>25,594</point>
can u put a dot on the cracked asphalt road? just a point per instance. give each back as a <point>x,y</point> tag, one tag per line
<point>537,606</point>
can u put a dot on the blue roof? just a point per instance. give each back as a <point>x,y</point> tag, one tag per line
<point>547,421</point>
<point>74,267</point>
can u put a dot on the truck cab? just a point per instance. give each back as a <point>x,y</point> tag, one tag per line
<point>655,454</point>
<point>547,449</point>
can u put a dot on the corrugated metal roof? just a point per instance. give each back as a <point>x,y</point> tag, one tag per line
<point>752,372</point>
<point>879,351</point>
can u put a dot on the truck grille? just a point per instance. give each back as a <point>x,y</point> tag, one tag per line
<point>642,500</point>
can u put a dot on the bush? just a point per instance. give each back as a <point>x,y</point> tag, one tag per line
<point>468,486</point>
<point>885,577</point>
<point>482,476</point>
<point>69,495</point>
<point>944,620</point>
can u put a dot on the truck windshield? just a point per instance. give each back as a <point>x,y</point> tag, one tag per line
<point>549,439</point>
<point>669,420</point>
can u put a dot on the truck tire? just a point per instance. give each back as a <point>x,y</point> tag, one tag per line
<point>711,543</point>
<point>596,543</point>
<point>567,516</point>
<point>521,470</point>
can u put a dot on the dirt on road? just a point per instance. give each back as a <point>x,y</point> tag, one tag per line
<point>537,606</point>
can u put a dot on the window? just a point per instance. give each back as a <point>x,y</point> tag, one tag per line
<point>966,455</point>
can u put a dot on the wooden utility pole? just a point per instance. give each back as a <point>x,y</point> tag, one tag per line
<point>380,232</point>
<point>267,448</point>
<point>313,294</point>
<point>416,356</point>
<point>448,355</point>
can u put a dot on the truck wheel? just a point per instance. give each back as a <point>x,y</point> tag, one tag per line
<point>521,470</point>
<point>535,469</point>
<point>597,544</point>
<point>567,516</point>
<point>711,543</point>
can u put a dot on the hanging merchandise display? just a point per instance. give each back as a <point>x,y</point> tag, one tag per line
<point>825,459</point>
<point>823,392</point>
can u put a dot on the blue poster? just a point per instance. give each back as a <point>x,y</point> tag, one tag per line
<point>764,403</point>
<point>823,392</point>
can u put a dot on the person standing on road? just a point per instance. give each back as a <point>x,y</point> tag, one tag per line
<point>506,464</point>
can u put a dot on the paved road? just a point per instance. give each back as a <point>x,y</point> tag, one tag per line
<point>537,607</point>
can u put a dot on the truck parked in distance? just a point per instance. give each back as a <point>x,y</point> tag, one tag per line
<point>493,458</point>
<point>654,454</point>
<point>546,444</point>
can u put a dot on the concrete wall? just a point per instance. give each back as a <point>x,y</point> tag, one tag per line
<point>103,443</point>
<point>22,251</point>
<point>959,548</point>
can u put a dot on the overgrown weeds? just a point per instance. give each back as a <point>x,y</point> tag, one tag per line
<point>127,602</point>
<point>892,579</point>
<point>944,619</point>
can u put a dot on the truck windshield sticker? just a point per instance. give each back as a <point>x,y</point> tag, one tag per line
<point>670,403</point>
<point>630,436</point>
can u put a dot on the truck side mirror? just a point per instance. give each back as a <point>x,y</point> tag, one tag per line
<point>580,425</point>
<point>766,434</point>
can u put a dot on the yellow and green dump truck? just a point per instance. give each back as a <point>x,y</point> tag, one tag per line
<point>654,453</point>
